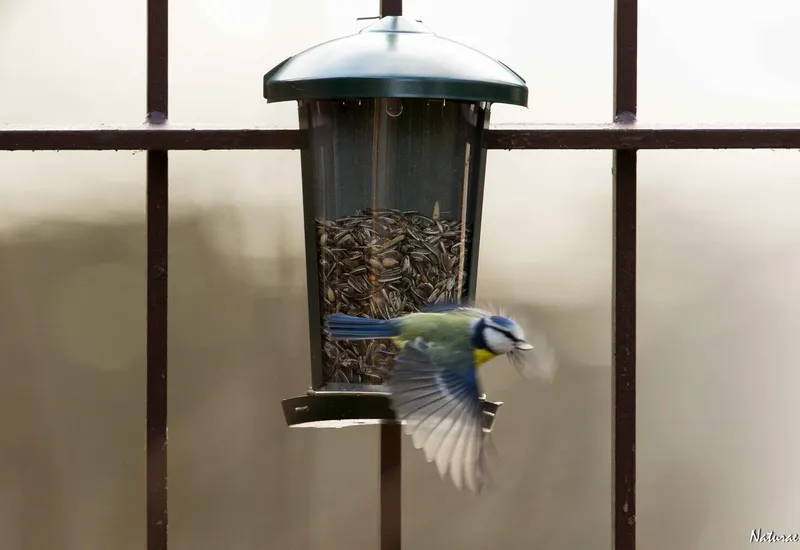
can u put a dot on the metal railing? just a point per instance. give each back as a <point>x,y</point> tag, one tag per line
<point>623,135</point>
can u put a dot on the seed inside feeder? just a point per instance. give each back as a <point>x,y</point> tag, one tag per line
<point>384,264</point>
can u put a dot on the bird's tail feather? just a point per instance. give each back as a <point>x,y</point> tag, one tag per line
<point>347,327</point>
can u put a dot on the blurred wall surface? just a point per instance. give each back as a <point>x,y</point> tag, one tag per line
<point>719,289</point>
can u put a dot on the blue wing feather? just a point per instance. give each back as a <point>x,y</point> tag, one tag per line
<point>439,400</point>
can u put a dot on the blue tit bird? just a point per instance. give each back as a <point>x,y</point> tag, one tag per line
<point>434,387</point>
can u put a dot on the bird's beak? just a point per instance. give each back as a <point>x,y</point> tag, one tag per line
<point>525,346</point>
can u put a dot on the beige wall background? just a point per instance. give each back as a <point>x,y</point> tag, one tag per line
<point>719,289</point>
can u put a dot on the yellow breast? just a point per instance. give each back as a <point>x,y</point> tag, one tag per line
<point>482,356</point>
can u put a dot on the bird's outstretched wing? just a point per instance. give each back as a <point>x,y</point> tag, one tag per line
<point>441,408</point>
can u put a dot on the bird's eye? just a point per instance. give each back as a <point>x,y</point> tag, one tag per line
<point>511,336</point>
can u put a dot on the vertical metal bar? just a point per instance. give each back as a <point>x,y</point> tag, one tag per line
<point>391,434</point>
<point>391,7</point>
<point>157,249</point>
<point>391,486</point>
<point>624,281</point>
<point>626,22</point>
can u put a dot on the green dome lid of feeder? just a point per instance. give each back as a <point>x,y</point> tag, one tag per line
<point>394,57</point>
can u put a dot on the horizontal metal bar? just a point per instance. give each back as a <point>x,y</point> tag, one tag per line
<point>141,137</point>
<point>538,136</point>
<point>642,136</point>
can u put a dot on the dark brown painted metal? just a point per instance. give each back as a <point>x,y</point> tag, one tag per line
<point>643,136</point>
<point>157,213</point>
<point>538,136</point>
<point>624,350</point>
<point>391,7</point>
<point>139,138</point>
<point>391,434</point>
<point>391,486</point>
<point>625,57</point>
<point>157,253</point>
<point>624,282</point>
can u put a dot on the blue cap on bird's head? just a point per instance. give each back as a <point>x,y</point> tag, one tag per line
<point>502,335</point>
<point>505,322</point>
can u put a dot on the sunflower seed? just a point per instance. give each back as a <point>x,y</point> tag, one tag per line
<point>383,263</point>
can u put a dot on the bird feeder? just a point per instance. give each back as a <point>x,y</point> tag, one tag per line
<point>393,169</point>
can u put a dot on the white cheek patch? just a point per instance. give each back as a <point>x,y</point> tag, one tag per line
<point>496,341</point>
